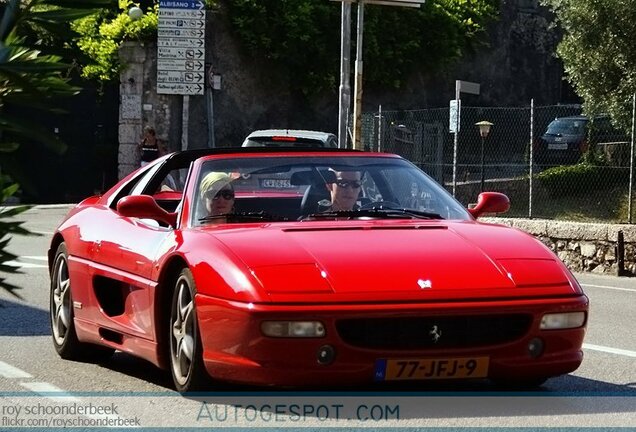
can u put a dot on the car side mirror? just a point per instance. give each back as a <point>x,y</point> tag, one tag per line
<point>490,202</point>
<point>145,207</point>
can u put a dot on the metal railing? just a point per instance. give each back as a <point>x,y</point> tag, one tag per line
<point>584,175</point>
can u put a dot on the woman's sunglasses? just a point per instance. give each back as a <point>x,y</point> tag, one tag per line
<point>225,193</point>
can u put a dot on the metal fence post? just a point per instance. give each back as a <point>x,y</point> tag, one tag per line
<point>345,88</point>
<point>456,137</point>
<point>379,128</point>
<point>630,196</point>
<point>620,254</point>
<point>531,158</point>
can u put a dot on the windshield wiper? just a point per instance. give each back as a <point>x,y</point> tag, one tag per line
<point>377,212</point>
<point>240,217</point>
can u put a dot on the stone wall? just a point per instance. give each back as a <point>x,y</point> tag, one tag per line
<point>583,247</point>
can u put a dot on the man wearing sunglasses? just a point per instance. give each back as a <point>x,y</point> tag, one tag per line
<point>344,191</point>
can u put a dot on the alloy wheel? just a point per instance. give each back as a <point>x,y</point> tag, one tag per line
<point>61,300</point>
<point>183,332</point>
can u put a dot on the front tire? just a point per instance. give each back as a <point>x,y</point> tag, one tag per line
<point>61,311</point>
<point>186,350</point>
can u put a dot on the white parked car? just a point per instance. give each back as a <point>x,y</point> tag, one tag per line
<point>290,138</point>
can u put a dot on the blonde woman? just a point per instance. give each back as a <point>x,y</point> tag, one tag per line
<point>217,193</point>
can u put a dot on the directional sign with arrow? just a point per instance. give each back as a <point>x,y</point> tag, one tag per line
<point>181,13</point>
<point>179,65</point>
<point>181,23</point>
<point>184,89</point>
<point>180,43</point>
<point>180,33</point>
<point>165,76</point>
<point>180,53</point>
<point>181,4</point>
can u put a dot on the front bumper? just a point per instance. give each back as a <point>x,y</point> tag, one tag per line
<point>234,349</point>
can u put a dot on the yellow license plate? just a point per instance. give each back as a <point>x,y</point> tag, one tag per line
<point>427,369</point>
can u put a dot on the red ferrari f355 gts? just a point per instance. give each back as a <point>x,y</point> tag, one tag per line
<point>301,267</point>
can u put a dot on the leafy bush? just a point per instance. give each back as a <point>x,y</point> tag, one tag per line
<point>102,34</point>
<point>580,179</point>
<point>8,227</point>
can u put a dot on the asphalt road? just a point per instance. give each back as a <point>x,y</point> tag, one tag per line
<point>37,388</point>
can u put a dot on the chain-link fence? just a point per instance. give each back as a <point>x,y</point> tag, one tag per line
<point>551,161</point>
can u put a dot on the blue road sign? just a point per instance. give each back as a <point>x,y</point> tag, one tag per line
<point>182,4</point>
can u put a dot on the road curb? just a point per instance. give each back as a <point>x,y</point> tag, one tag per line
<point>53,206</point>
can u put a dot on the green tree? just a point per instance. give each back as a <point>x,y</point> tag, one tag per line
<point>31,75</point>
<point>301,38</point>
<point>599,54</point>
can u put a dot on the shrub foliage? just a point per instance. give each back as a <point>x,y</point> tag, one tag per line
<point>580,179</point>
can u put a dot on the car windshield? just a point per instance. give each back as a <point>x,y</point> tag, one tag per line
<point>291,188</point>
<point>566,127</point>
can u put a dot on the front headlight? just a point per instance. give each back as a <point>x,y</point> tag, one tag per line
<point>298,329</point>
<point>566,320</point>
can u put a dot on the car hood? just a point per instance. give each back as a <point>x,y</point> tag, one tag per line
<point>389,261</point>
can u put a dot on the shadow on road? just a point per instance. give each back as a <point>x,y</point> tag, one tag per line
<point>138,368</point>
<point>20,319</point>
<point>565,385</point>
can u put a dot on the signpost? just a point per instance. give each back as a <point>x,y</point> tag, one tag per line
<point>181,47</point>
<point>454,121</point>
<point>455,116</point>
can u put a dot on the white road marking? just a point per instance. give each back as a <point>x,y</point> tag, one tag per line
<point>610,350</point>
<point>46,233</point>
<point>25,265</point>
<point>8,371</point>
<point>49,391</point>
<point>609,287</point>
<point>36,257</point>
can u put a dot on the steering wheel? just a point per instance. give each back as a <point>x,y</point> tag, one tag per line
<point>377,204</point>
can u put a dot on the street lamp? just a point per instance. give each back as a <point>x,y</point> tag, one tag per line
<point>484,129</point>
<point>135,13</point>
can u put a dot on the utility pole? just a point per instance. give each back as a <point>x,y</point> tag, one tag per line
<point>345,88</point>
<point>357,106</point>
<point>345,48</point>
